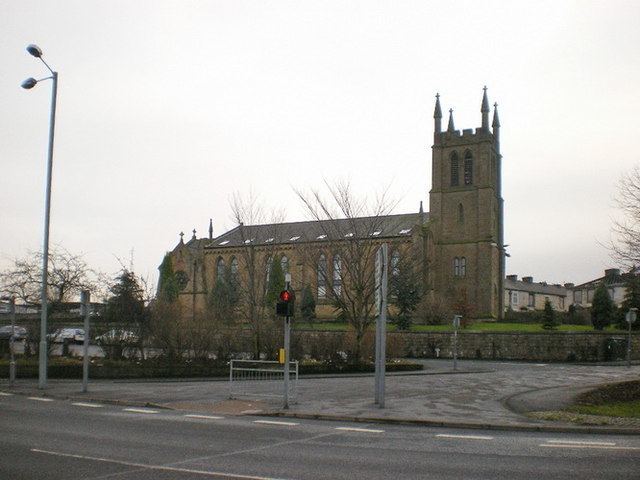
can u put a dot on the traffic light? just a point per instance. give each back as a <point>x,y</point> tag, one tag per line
<point>284,307</point>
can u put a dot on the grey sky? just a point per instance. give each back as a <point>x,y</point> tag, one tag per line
<point>167,108</point>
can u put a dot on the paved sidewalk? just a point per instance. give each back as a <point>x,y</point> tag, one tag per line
<point>494,394</point>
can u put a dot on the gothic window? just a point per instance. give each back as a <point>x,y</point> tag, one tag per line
<point>267,269</point>
<point>468,168</point>
<point>234,269</point>
<point>455,167</point>
<point>456,267</point>
<point>463,266</point>
<point>322,276</point>
<point>337,275</point>
<point>460,214</point>
<point>220,269</point>
<point>395,263</point>
<point>284,263</point>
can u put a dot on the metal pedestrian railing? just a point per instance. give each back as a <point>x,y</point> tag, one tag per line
<point>261,378</point>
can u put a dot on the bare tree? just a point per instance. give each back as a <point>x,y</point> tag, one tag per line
<point>625,246</point>
<point>251,277</point>
<point>68,275</point>
<point>349,228</point>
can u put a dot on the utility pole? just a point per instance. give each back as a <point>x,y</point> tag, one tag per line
<point>287,339</point>
<point>85,296</point>
<point>630,317</point>
<point>12,340</point>
<point>381,323</point>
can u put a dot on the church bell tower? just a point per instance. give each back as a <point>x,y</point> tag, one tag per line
<point>466,216</point>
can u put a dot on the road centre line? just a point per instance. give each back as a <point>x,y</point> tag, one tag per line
<point>364,430</point>
<point>5,394</point>
<point>571,442</point>
<point>273,422</point>
<point>163,468</point>
<point>88,405</point>
<point>464,437</point>
<point>140,410</point>
<point>204,417</point>
<point>40,399</point>
<point>603,447</point>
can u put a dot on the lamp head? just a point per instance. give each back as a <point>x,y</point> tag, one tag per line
<point>29,83</point>
<point>34,50</point>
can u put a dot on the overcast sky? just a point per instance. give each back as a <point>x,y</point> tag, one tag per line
<point>167,108</point>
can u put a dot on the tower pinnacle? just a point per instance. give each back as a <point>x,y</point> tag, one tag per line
<point>496,122</point>
<point>450,127</point>
<point>485,110</point>
<point>211,229</point>
<point>437,115</point>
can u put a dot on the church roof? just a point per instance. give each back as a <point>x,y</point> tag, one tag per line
<point>384,226</point>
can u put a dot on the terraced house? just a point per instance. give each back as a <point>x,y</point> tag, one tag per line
<point>457,247</point>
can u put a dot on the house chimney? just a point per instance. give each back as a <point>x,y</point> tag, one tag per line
<point>569,286</point>
<point>612,272</point>
<point>513,278</point>
<point>527,279</point>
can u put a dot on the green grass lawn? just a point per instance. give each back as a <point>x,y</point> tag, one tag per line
<point>476,327</point>
<point>613,409</point>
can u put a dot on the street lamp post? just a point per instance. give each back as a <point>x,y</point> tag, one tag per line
<point>28,84</point>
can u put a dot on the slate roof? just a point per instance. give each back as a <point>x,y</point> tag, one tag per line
<point>533,287</point>
<point>387,226</point>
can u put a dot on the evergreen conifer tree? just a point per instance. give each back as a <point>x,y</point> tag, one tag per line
<point>602,308</point>
<point>275,283</point>
<point>307,304</point>
<point>631,300</point>
<point>168,287</point>
<point>549,317</point>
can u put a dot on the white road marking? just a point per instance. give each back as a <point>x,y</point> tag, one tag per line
<point>88,405</point>
<point>249,412</point>
<point>204,417</point>
<point>163,468</point>
<point>273,422</point>
<point>465,437</point>
<point>571,442</point>
<point>140,410</point>
<point>604,447</point>
<point>40,399</point>
<point>353,429</point>
<point>540,364</point>
<point>5,394</point>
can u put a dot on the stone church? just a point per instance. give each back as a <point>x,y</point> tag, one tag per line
<point>459,242</point>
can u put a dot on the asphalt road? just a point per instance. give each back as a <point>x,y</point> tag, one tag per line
<point>66,440</point>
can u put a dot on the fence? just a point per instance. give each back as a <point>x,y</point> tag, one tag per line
<point>261,378</point>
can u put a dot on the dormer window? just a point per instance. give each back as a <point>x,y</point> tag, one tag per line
<point>294,238</point>
<point>405,231</point>
<point>248,241</point>
<point>349,235</point>
<point>269,240</point>
<point>376,233</point>
<point>321,237</point>
<point>224,243</point>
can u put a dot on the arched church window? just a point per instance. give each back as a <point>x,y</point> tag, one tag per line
<point>284,264</point>
<point>455,168</point>
<point>463,266</point>
<point>322,276</point>
<point>395,263</point>
<point>460,214</point>
<point>337,275</point>
<point>268,265</point>
<point>234,269</point>
<point>468,168</point>
<point>456,267</point>
<point>220,269</point>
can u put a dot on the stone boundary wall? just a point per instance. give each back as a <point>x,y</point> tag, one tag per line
<point>542,347</point>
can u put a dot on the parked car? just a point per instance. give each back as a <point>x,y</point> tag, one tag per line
<point>117,336</point>
<point>67,335</point>
<point>20,333</point>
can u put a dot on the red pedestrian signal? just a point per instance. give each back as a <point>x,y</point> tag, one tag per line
<point>285,305</point>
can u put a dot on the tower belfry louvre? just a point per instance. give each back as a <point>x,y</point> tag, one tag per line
<point>460,240</point>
